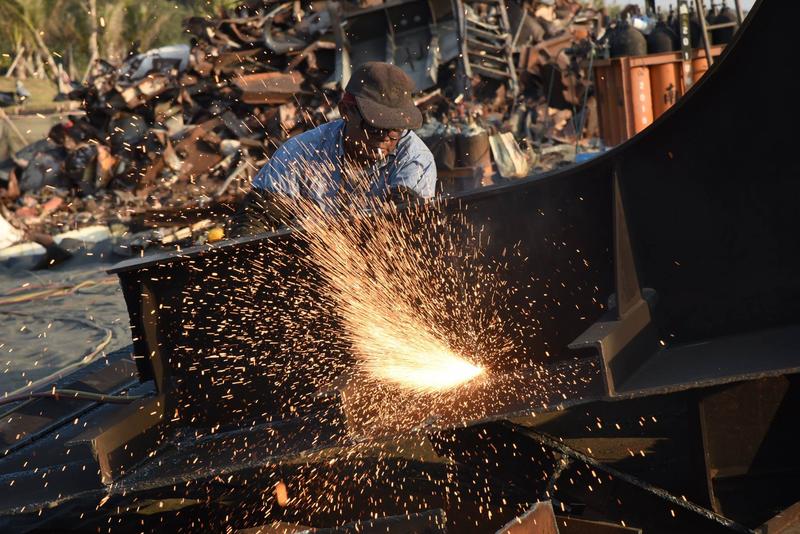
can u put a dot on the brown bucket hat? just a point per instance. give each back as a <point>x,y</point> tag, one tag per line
<point>383,95</point>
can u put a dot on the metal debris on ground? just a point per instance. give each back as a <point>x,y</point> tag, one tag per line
<point>185,127</point>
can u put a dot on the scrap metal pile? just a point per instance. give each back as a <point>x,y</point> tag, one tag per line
<point>173,127</point>
<point>187,126</point>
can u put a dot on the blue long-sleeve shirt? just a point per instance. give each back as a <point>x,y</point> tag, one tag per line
<point>288,171</point>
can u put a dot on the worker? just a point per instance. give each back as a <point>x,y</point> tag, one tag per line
<point>373,139</point>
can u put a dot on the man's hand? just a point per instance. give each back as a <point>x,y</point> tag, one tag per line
<point>259,212</point>
<point>401,194</point>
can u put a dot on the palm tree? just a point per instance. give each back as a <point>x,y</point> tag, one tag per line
<point>145,22</point>
<point>22,21</point>
<point>92,28</point>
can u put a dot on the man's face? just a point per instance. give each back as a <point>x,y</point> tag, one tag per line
<point>363,142</point>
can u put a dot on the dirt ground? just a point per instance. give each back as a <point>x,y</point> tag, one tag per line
<point>39,336</point>
<point>31,127</point>
<point>42,93</point>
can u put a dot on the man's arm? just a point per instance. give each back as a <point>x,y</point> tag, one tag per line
<point>416,175</point>
<point>400,194</point>
<point>264,208</point>
<point>260,211</point>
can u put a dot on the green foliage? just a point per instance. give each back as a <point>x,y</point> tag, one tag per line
<point>65,25</point>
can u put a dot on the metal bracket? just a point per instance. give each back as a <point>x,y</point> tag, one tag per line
<point>614,334</point>
<point>128,437</point>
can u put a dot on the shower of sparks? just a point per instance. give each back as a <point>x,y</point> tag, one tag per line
<point>364,336</point>
<point>384,273</point>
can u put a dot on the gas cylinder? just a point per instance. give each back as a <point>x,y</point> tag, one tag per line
<point>627,41</point>
<point>662,39</point>
<point>724,35</point>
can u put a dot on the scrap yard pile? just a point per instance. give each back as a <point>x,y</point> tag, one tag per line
<point>176,127</point>
<point>169,139</point>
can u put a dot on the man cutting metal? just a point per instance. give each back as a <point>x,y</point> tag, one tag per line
<point>371,150</point>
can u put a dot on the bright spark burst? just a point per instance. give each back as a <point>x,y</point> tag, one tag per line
<point>411,316</point>
<point>377,274</point>
<point>419,362</point>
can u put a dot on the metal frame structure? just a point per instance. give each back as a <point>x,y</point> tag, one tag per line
<point>700,8</point>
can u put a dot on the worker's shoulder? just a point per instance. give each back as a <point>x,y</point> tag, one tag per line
<point>316,144</point>
<point>315,138</point>
<point>412,148</point>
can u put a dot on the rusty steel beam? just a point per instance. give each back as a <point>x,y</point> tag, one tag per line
<point>786,522</point>
<point>125,438</point>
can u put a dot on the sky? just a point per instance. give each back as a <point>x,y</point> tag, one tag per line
<point>746,4</point>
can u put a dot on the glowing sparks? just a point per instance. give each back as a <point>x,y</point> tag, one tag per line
<point>405,312</point>
<point>417,362</point>
<point>386,311</point>
<point>379,274</point>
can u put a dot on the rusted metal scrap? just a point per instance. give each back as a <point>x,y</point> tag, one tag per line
<point>269,87</point>
<point>170,124</point>
<point>270,70</point>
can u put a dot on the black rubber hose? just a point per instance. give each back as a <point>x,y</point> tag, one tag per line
<point>71,394</point>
